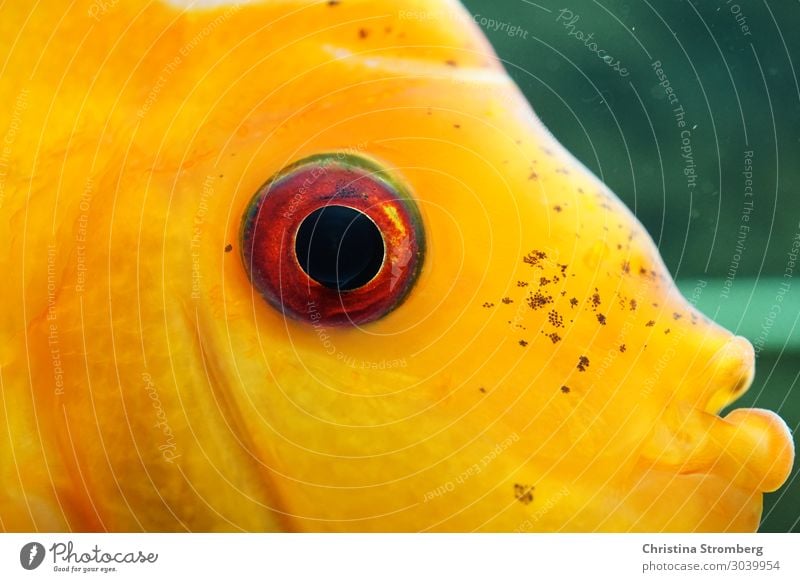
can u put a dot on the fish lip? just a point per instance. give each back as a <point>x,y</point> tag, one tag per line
<point>728,374</point>
<point>769,439</point>
<point>754,446</point>
<point>751,448</point>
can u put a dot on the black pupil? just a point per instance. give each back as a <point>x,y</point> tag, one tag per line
<point>339,247</point>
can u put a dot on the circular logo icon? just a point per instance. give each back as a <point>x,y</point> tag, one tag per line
<point>31,555</point>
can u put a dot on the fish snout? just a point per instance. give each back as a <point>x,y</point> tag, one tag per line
<point>751,448</point>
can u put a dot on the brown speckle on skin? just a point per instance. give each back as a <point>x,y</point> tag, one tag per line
<point>534,258</point>
<point>601,318</point>
<point>482,390</point>
<point>523,343</point>
<point>538,300</point>
<point>522,283</point>
<point>555,318</point>
<point>543,281</point>
<point>554,337</point>
<point>634,304</point>
<point>676,316</point>
<point>650,323</point>
<point>334,2</point>
<point>595,300</point>
<point>557,208</point>
<point>228,248</point>
<point>488,305</point>
<point>667,331</point>
<point>457,126</point>
<point>622,348</point>
<point>523,493</point>
<point>533,176</point>
<point>583,363</point>
<point>573,302</point>
<point>565,389</point>
<point>507,300</point>
<point>626,267</point>
<point>451,63</point>
<point>363,33</point>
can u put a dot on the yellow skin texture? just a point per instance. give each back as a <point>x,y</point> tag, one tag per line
<point>139,133</point>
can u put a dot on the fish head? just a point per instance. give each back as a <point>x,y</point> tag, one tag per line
<point>514,356</point>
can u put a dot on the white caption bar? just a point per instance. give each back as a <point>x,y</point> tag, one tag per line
<point>390,557</point>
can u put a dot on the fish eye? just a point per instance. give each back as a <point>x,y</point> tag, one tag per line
<point>339,247</point>
<point>333,238</point>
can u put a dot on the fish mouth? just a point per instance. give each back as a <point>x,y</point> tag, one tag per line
<point>750,448</point>
<point>757,449</point>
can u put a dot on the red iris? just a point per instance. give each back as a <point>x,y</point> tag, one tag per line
<point>333,238</point>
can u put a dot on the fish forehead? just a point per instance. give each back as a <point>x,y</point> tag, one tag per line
<point>163,88</point>
<point>127,60</point>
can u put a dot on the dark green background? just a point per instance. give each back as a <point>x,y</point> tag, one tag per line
<point>742,93</point>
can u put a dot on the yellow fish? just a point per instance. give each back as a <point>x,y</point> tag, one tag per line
<point>317,266</point>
